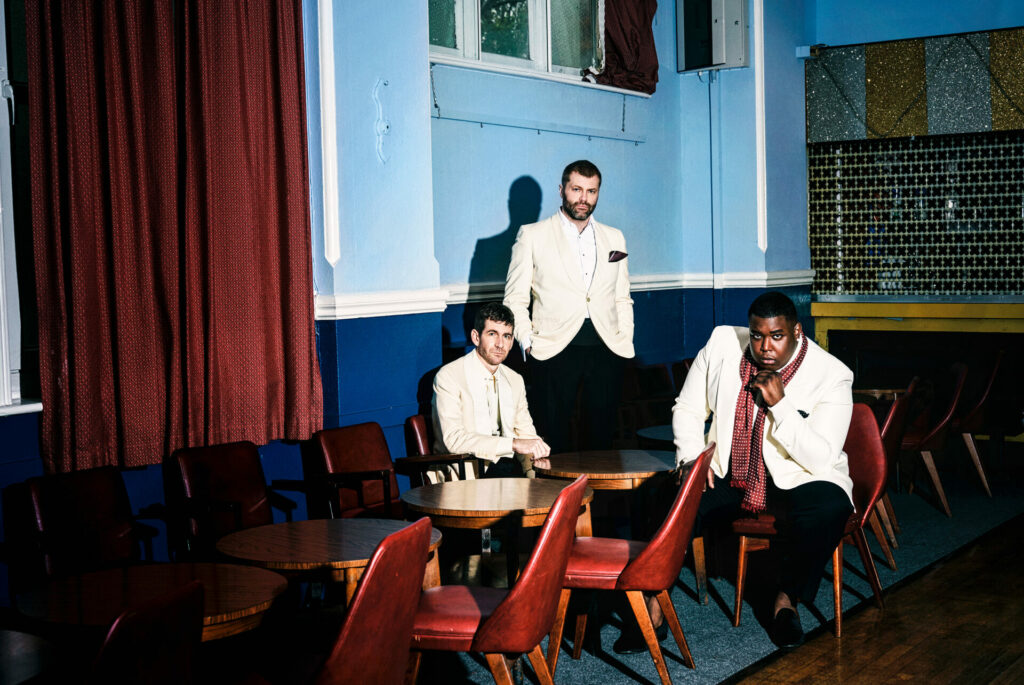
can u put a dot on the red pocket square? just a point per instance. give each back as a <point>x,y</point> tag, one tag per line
<point>616,256</point>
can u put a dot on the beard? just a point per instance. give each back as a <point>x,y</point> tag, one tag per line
<point>574,212</point>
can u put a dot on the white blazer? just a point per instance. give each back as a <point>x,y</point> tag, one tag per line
<point>546,267</point>
<point>461,419</point>
<point>803,433</point>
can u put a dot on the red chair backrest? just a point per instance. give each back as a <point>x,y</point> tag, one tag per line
<point>974,418</point>
<point>896,422</point>
<point>866,458</point>
<point>229,472</point>
<point>85,518</point>
<point>360,447</point>
<point>657,566</point>
<point>417,439</point>
<point>528,611</point>
<point>373,645</point>
<point>155,642</point>
<point>937,434</point>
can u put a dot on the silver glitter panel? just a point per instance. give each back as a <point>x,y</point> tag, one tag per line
<point>959,98</point>
<point>931,215</point>
<point>835,95</point>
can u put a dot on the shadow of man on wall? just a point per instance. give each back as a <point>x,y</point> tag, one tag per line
<point>489,264</point>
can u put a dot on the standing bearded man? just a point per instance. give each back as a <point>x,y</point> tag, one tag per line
<point>575,271</point>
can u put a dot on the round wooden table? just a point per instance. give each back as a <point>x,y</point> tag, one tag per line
<point>610,469</point>
<point>342,547</point>
<point>235,596</point>
<point>487,502</point>
<point>659,436</point>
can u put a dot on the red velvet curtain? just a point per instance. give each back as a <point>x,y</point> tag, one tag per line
<point>630,58</point>
<point>170,200</point>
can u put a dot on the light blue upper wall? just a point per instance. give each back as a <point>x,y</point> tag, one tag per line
<point>474,167</point>
<point>842,22</point>
<point>785,139</point>
<point>386,209</point>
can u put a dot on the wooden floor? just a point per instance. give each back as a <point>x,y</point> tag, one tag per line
<point>962,621</point>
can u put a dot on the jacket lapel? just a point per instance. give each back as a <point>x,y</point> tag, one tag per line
<point>568,253</point>
<point>604,269</point>
<point>473,371</point>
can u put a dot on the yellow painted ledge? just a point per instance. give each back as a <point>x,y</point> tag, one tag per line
<point>980,317</point>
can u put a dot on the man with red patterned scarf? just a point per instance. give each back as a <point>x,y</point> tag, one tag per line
<point>781,408</point>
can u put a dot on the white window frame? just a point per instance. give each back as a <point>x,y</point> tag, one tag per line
<point>469,53</point>
<point>10,318</point>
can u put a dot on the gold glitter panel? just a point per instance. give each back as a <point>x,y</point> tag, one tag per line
<point>1006,57</point>
<point>897,103</point>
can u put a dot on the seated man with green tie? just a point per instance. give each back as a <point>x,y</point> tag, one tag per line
<point>480,406</point>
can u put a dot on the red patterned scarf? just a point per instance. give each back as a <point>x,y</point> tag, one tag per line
<point>746,461</point>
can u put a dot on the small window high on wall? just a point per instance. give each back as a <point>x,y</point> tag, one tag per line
<point>548,36</point>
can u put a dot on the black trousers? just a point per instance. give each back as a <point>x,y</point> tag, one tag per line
<point>506,467</point>
<point>586,365</point>
<point>810,519</point>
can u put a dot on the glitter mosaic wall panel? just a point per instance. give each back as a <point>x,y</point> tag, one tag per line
<point>966,83</point>
<point>934,216</point>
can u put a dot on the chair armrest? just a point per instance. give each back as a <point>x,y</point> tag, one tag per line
<point>352,479</point>
<point>281,503</point>
<point>419,464</point>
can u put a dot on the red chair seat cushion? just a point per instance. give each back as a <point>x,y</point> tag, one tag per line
<point>762,524</point>
<point>448,616</point>
<point>596,563</point>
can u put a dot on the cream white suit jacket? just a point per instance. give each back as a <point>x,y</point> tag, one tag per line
<point>804,432</point>
<point>461,419</point>
<point>546,267</point>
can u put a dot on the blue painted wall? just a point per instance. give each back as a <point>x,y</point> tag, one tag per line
<point>841,22</point>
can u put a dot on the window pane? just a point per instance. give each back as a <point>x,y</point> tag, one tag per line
<point>442,23</point>
<point>505,27</point>
<point>574,38</point>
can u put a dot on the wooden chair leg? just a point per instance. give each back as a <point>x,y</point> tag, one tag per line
<point>837,587</point>
<point>700,569</point>
<point>412,670</point>
<point>499,669</point>
<point>891,512</point>
<point>972,449</point>
<point>578,635</point>
<point>540,666</point>
<point>669,612</point>
<point>883,542</point>
<point>555,638</point>
<point>929,463</point>
<point>861,540</point>
<point>883,516</point>
<point>639,606</point>
<point>741,576</point>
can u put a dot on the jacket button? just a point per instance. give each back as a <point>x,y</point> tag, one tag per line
<point>588,299</point>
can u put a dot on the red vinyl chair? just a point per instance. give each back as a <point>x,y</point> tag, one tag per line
<point>155,643</point>
<point>215,490</point>
<point>637,567</point>
<point>356,472</point>
<point>83,521</point>
<point>926,440</point>
<point>866,458</point>
<point>500,623</point>
<point>373,645</point>
<point>420,456</point>
<point>893,428</point>
<point>973,421</point>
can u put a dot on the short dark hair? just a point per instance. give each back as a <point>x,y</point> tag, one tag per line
<point>493,311</point>
<point>772,304</point>
<point>584,168</point>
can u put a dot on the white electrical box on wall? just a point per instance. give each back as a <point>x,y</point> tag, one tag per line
<point>711,34</point>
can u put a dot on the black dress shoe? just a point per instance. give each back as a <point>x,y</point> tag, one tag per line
<point>786,630</point>
<point>632,641</point>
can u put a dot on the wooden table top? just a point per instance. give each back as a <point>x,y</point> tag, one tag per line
<point>880,393</point>
<point>235,596</point>
<point>659,433</point>
<point>316,544</point>
<point>487,497</point>
<point>24,656</point>
<point>610,464</point>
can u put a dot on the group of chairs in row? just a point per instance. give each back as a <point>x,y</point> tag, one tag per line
<point>61,524</point>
